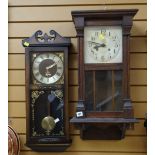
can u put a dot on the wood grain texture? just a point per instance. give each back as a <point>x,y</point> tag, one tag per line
<point>17,93</point>
<point>19,124</point>
<point>138,61</point>
<point>17,77</point>
<point>79,153</point>
<point>129,144</point>
<point>17,61</point>
<point>137,44</point>
<point>19,111</point>
<point>138,77</point>
<point>137,113</point>
<point>63,14</point>
<point>71,2</point>
<point>66,29</point>
<point>138,93</point>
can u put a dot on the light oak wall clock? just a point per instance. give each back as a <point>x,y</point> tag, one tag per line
<point>47,91</point>
<point>104,110</point>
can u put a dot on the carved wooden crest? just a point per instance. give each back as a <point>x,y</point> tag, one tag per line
<point>40,39</point>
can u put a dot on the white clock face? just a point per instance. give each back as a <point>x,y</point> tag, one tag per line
<point>47,68</point>
<point>103,44</point>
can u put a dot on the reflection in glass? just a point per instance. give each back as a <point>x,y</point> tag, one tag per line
<point>118,90</point>
<point>103,90</point>
<point>89,90</point>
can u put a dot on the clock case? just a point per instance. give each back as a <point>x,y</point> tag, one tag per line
<point>40,43</point>
<point>106,125</point>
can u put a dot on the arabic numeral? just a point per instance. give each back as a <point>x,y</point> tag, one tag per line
<point>93,38</point>
<point>90,44</point>
<point>96,33</point>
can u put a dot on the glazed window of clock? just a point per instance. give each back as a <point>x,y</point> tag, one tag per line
<point>103,90</point>
<point>103,44</point>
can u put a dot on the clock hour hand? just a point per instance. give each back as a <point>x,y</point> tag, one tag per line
<point>47,73</point>
<point>97,45</point>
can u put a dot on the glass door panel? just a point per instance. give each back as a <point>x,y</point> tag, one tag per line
<point>103,90</point>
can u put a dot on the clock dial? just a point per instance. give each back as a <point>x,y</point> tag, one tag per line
<point>103,44</point>
<point>47,68</point>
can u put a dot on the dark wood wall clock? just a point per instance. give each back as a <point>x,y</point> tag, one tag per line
<point>47,91</point>
<point>104,110</point>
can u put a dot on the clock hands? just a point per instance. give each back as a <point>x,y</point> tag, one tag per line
<point>47,73</point>
<point>97,45</point>
<point>51,66</point>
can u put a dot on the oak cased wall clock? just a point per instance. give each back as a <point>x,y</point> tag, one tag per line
<point>47,91</point>
<point>104,110</point>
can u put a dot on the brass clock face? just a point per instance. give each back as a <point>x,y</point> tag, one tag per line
<point>47,68</point>
<point>103,44</point>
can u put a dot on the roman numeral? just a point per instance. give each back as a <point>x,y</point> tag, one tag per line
<point>57,73</point>
<point>96,33</point>
<point>103,31</point>
<point>37,74</point>
<point>47,79</point>
<point>41,79</point>
<point>92,38</point>
<point>59,67</point>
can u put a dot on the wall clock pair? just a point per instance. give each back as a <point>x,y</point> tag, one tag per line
<point>104,109</point>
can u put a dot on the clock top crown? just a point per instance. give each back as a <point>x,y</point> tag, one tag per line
<point>121,17</point>
<point>38,39</point>
<point>104,13</point>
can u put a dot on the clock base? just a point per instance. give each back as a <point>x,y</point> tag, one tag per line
<point>103,128</point>
<point>49,147</point>
<point>103,132</point>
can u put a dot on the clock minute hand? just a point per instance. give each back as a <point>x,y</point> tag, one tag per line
<point>100,45</point>
<point>97,44</point>
<point>48,67</point>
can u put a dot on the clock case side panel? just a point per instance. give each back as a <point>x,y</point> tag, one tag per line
<point>27,92</point>
<point>107,128</point>
<point>59,144</point>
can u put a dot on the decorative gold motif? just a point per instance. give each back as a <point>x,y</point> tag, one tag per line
<point>61,133</point>
<point>48,124</point>
<point>34,82</point>
<point>61,81</point>
<point>34,133</point>
<point>61,55</point>
<point>35,95</point>
<point>59,94</point>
